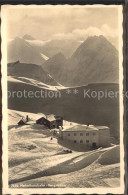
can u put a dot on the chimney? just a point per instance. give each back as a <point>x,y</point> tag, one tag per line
<point>27,118</point>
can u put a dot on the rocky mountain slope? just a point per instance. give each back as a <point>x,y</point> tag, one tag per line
<point>31,71</point>
<point>28,49</point>
<point>20,49</point>
<point>56,65</point>
<point>95,61</point>
<point>67,47</point>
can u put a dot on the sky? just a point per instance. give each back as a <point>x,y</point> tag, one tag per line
<point>62,22</point>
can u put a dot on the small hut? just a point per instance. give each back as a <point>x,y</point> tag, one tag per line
<point>22,122</point>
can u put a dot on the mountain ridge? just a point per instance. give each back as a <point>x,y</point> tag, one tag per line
<point>32,71</point>
<point>95,60</point>
<point>28,37</point>
<point>20,49</point>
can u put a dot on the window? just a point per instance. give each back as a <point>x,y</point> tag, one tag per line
<point>87,134</point>
<point>68,134</point>
<point>94,133</point>
<point>81,141</point>
<point>81,134</point>
<point>75,141</point>
<point>87,141</point>
<point>75,134</point>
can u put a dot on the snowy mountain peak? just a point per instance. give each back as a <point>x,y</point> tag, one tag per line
<point>98,41</point>
<point>28,37</point>
<point>20,49</point>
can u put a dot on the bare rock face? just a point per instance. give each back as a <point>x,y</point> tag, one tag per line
<point>95,61</point>
<point>56,65</point>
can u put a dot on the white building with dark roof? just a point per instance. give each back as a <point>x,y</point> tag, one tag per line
<point>91,136</point>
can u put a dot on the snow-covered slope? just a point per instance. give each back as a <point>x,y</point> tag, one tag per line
<point>34,82</point>
<point>30,147</point>
<point>44,56</point>
<point>30,71</point>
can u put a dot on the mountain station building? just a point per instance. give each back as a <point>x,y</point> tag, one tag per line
<point>90,135</point>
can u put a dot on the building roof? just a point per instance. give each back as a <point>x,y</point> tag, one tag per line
<point>80,128</point>
<point>23,119</point>
<point>50,117</point>
<point>102,127</point>
<point>84,128</point>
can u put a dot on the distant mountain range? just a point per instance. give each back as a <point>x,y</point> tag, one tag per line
<point>92,65</point>
<point>67,47</point>
<point>94,61</point>
<point>20,49</point>
<point>52,47</point>
<point>26,49</point>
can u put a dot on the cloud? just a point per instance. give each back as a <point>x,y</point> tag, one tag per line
<point>61,22</point>
<point>110,32</point>
<point>91,31</point>
<point>82,34</point>
<point>79,34</point>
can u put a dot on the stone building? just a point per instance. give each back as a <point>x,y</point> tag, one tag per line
<point>89,135</point>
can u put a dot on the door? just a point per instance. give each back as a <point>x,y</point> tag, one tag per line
<point>94,145</point>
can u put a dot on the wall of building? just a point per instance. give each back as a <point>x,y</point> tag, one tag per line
<point>88,137</point>
<point>104,137</point>
<point>101,138</point>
